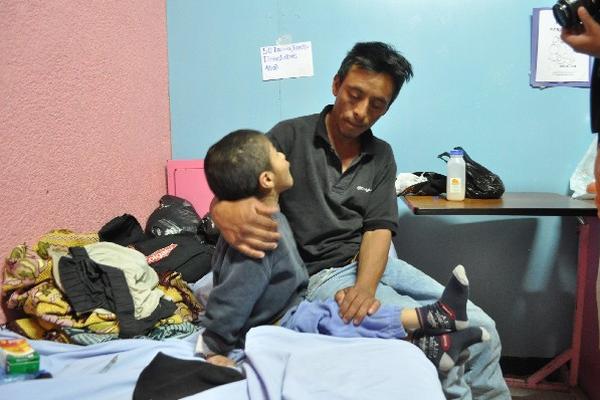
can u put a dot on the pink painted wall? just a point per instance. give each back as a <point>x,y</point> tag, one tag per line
<point>84,114</point>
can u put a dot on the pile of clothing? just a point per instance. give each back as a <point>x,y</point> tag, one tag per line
<point>120,282</point>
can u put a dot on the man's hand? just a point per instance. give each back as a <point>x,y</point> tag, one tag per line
<point>221,361</point>
<point>586,41</point>
<point>358,301</point>
<point>247,225</point>
<point>355,303</point>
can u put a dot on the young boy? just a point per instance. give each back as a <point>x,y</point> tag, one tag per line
<point>248,292</point>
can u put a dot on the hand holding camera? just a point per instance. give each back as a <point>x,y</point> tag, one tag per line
<point>566,11</point>
<point>580,30</point>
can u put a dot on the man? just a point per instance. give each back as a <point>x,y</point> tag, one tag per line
<point>343,211</point>
<point>249,292</point>
<point>586,39</point>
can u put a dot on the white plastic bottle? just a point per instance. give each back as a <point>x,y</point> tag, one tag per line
<point>456,177</point>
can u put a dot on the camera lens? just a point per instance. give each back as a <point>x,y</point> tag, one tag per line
<point>562,14</point>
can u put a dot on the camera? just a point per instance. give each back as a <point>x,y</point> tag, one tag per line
<point>565,11</point>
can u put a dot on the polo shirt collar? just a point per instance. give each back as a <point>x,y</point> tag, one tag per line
<point>367,138</point>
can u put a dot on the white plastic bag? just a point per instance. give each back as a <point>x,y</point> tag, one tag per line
<point>406,179</point>
<point>584,173</point>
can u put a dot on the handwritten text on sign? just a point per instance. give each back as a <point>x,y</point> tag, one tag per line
<point>286,61</point>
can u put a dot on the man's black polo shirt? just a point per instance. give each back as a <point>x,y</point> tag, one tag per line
<point>329,210</point>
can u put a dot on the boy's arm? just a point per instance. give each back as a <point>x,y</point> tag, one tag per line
<point>246,225</point>
<point>230,304</point>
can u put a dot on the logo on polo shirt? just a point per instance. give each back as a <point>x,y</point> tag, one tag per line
<point>364,189</point>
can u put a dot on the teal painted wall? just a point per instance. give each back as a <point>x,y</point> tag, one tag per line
<point>471,87</point>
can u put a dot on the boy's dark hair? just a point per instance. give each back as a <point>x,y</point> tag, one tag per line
<point>380,58</point>
<point>234,164</point>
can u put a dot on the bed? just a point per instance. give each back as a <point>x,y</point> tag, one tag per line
<point>280,364</point>
<point>276,363</point>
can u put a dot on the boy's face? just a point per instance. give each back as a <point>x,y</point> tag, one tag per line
<point>281,169</point>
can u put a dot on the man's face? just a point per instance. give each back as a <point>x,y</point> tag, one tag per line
<point>280,167</point>
<point>361,99</point>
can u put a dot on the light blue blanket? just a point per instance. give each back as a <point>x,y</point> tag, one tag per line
<point>280,364</point>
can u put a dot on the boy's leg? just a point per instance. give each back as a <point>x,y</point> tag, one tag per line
<point>449,313</point>
<point>445,350</point>
<point>326,283</point>
<point>482,376</point>
<point>405,286</point>
<point>322,316</point>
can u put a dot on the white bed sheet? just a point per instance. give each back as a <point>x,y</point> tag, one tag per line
<point>281,364</point>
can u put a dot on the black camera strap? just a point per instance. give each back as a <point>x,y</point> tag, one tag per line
<point>595,98</point>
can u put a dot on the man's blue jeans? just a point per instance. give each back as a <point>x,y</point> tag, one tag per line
<point>405,286</point>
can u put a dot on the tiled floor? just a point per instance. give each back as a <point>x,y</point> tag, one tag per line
<point>522,367</point>
<point>525,394</point>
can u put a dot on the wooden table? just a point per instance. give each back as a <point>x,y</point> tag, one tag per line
<point>530,204</point>
<point>537,204</point>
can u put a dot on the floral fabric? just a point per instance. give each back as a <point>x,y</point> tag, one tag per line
<point>29,288</point>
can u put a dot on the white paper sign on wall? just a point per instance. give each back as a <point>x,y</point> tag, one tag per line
<point>292,60</point>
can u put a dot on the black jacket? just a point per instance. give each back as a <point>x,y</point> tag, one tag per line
<point>595,98</point>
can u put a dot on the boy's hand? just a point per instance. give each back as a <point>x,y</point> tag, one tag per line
<point>247,225</point>
<point>586,40</point>
<point>221,361</point>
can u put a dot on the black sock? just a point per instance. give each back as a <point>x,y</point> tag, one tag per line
<point>446,350</point>
<point>449,313</point>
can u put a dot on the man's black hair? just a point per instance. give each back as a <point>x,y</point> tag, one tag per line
<point>234,164</point>
<point>380,58</point>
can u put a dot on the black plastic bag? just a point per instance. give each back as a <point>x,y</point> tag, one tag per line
<point>182,253</point>
<point>123,230</point>
<point>481,182</point>
<point>174,215</point>
<point>434,186</point>
<point>208,229</point>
